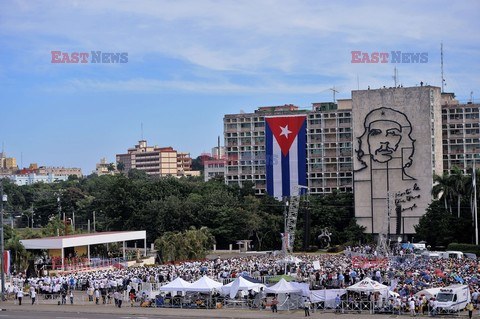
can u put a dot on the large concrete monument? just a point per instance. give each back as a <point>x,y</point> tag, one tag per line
<point>397,148</point>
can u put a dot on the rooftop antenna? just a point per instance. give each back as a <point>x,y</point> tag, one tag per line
<point>471,99</point>
<point>395,75</point>
<point>441,62</point>
<point>334,91</point>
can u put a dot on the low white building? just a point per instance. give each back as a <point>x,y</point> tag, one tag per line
<point>29,179</point>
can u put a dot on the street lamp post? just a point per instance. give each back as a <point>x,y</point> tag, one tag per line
<point>3,198</point>
<point>59,211</point>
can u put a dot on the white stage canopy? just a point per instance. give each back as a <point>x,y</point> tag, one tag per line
<point>62,242</point>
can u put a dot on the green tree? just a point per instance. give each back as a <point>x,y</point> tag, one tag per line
<point>458,182</point>
<point>438,227</point>
<point>192,244</point>
<point>56,226</point>
<point>444,188</point>
<point>18,252</point>
<point>120,166</point>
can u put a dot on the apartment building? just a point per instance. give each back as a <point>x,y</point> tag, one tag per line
<point>7,164</point>
<point>461,134</point>
<point>157,161</point>
<point>153,160</point>
<point>329,146</point>
<point>105,168</point>
<point>59,171</point>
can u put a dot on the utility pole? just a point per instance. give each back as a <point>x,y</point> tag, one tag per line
<point>441,65</point>
<point>59,211</point>
<point>3,198</point>
<point>306,227</point>
<point>94,222</point>
<point>474,184</point>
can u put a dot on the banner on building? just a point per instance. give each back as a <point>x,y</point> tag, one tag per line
<point>286,155</point>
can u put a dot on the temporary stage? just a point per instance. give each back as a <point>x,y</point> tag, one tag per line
<point>82,242</point>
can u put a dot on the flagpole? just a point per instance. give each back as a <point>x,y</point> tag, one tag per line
<point>474,181</point>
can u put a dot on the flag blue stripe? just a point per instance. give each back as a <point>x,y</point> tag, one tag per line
<point>286,175</point>
<point>302,156</point>
<point>269,158</point>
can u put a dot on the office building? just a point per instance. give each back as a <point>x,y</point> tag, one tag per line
<point>156,161</point>
<point>461,134</point>
<point>329,146</point>
<point>441,134</point>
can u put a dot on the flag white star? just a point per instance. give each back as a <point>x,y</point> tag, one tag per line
<point>285,131</point>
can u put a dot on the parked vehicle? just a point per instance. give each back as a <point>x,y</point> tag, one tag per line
<point>454,254</point>
<point>470,256</point>
<point>453,298</point>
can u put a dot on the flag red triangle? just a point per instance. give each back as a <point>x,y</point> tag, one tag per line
<point>285,129</point>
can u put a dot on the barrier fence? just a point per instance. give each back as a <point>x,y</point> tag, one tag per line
<point>196,301</point>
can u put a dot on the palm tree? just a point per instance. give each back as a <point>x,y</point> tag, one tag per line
<point>18,252</point>
<point>468,186</point>
<point>443,188</point>
<point>457,181</point>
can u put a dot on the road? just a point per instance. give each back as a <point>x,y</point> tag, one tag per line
<point>25,314</point>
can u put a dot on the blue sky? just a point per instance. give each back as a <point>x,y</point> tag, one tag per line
<point>191,62</point>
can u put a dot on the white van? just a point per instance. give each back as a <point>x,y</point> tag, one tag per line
<point>431,254</point>
<point>455,254</point>
<point>453,298</point>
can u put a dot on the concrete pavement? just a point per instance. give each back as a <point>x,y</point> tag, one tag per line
<point>109,311</point>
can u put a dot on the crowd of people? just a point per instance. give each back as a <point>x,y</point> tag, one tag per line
<point>403,275</point>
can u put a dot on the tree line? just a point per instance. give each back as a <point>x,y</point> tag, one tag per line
<point>135,201</point>
<point>449,218</point>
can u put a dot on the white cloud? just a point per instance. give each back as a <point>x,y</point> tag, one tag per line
<point>143,85</point>
<point>277,38</point>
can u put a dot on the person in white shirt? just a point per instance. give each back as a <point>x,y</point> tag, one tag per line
<point>411,305</point>
<point>33,294</point>
<point>20,296</point>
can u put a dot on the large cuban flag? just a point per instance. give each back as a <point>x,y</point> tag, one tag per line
<point>285,139</point>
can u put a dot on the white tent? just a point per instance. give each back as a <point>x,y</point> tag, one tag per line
<point>368,285</point>
<point>176,285</point>
<point>239,283</point>
<point>204,284</point>
<point>283,287</point>
<point>327,296</point>
<point>429,293</point>
<point>303,286</point>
